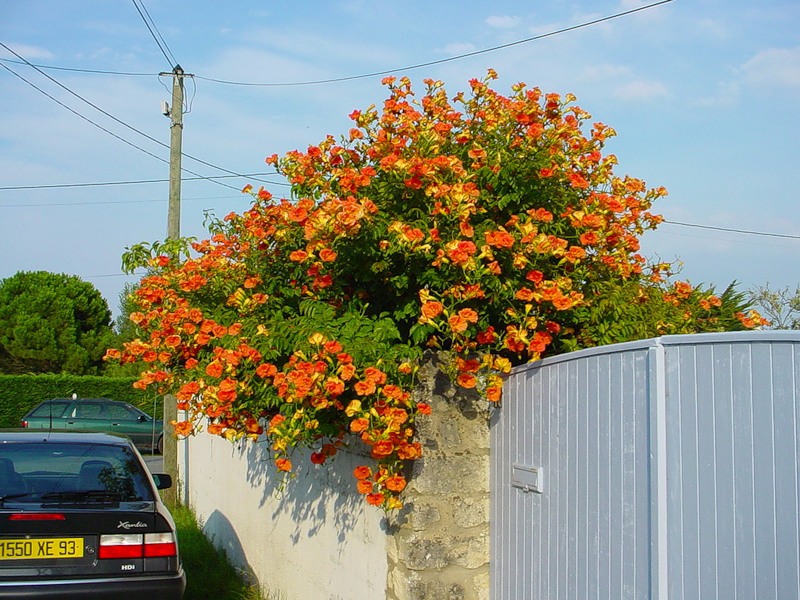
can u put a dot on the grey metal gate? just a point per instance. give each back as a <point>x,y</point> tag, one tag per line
<point>661,469</point>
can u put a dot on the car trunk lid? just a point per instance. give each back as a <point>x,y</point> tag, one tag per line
<point>64,542</point>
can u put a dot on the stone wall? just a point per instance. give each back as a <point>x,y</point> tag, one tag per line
<point>439,544</point>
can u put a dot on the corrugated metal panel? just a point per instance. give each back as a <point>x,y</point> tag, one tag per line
<point>732,413</point>
<point>584,425</point>
<point>666,469</point>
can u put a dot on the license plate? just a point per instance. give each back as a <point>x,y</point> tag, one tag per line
<point>27,549</point>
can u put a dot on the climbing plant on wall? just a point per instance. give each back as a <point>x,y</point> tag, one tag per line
<point>488,227</point>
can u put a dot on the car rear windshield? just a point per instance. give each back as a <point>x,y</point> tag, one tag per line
<point>42,472</point>
<point>53,409</point>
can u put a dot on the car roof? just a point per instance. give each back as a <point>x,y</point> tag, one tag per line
<point>82,400</point>
<point>62,437</point>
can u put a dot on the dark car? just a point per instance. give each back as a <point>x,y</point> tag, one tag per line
<point>80,517</point>
<point>98,414</point>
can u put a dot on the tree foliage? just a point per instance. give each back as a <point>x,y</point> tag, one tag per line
<point>781,307</point>
<point>490,228</point>
<point>125,331</point>
<point>52,323</point>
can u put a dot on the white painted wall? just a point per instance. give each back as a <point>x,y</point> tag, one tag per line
<point>314,538</point>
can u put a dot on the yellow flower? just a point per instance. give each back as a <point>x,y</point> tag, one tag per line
<point>353,408</point>
<point>317,339</point>
<point>502,364</point>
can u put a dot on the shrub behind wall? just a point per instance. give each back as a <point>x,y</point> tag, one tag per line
<point>20,393</point>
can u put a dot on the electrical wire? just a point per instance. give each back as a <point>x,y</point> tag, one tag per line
<point>76,70</point>
<point>84,100</point>
<point>134,182</point>
<point>111,202</point>
<point>187,104</point>
<point>442,60</point>
<point>387,71</point>
<point>161,37</point>
<point>162,45</point>
<point>111,133</point>
<point>730,230</point>
<point>76,113</point>
<point>164,50</point>
<point>29,205</point>
<point>110,116</point>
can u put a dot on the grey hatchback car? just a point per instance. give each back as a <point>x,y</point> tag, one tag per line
<point>80,517</point>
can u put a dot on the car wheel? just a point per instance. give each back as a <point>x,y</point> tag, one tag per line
<point>160,445</point>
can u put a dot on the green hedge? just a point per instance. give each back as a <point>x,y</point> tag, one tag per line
<point>20,393</point>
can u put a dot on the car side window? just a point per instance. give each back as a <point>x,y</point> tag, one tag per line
<point>88,410</point>
<point>54,409</point>
<point>120,412</point>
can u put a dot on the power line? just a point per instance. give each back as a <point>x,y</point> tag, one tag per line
<point>677,223</point>
<point>109,132</point>
<point>730,230</point>
<point>84,100</point>
<point>76,113</point>
<point>151,26</point>
<point>711,237</point>
<point>134,182</point>
<point>110,202</point>
<point>109,115</point>
<point>77,70</point>
<point>443,60</point>
<point>377,73</point>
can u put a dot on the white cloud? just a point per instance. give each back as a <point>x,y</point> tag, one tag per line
<point>727,94</point>
<point>503,22</point>
<point>457,48</point>
<point>651,16</point>
<point>774,67</point>
<point>605,72</point>
<point>623,81</point>
<point>713,28</point>
<point>771,68</point>
<point>310,45</point>
<point>641,90</point>
<point>542,28</point>
<point>31,52</point>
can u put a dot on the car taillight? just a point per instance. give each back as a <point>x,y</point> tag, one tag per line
<point>121,545</point>
<point>36,517</point>
<point>23,424</point>
<point>159,544</point>
<point>133,545</point>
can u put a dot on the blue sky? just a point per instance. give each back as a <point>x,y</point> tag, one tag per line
<point>704,96</point>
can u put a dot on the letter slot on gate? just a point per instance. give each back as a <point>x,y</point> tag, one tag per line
<point>528,479</point>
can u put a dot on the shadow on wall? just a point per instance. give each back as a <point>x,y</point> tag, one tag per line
<point>220,530</point>
<point>315,496</point>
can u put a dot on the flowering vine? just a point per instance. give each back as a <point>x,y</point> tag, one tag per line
<point>488,227</point>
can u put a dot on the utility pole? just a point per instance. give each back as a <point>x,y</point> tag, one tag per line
<point>175,113</point>
<point>175,144</point>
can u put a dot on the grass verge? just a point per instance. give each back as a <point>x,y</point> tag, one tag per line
<point>208,572</point>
